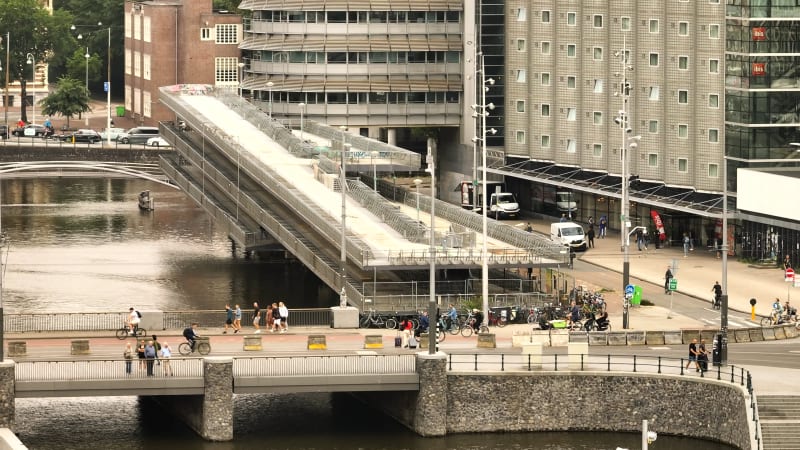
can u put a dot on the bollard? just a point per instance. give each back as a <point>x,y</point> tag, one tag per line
<point>17,348</point>
<point>422,340</point>
<point>252,343</point>
<point>317,342</point>
<point>79,347</point>
<point>487,340</point>
<point>373,341</point>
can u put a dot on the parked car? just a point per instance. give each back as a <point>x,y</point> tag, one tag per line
<point>4,131</point>
<point>137,135</point>
<point>112,132</point>
<point>82,135</point>
<point>157,141</point>
<point>33,130</point>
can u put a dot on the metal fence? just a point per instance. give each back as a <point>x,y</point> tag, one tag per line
<point>102,369</point>
<point>280,366</point>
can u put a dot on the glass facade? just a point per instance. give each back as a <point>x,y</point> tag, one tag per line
<point>492,38</point>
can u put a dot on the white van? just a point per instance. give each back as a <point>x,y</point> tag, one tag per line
<point>569,234</point>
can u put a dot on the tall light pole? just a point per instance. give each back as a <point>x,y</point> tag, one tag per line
<point>5,98</point>
<point>723,314</point>
<point>269,86</point>
<point>107,84</point>
<point>343,188</point>
<point>432,299</point>
<point>417,182</point>
<point>32,61</point>
<point>241,76</point>
<point>302,107</point>
<point>87,56</point>
<point>374,154</point>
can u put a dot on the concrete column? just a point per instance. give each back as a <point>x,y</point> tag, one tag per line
<point>217,420</point>
<point>430,414</point>
<point>7,396</point>
<point>391,136</point>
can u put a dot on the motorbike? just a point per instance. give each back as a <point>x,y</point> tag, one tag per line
<point>594,324</point>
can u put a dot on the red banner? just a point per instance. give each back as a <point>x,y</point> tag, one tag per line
<point>759,33</point>
<point>758,69</point>
<point>662,235</point>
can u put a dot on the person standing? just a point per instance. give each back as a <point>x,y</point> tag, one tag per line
<point>405,328</point>
<point>256,317</point>
<point>686,245</point>
<point>693,355</point>
<point>590,236</point>
<point>166,354</point>
<point>667,277</point>
<point>603,225</point>
<point>128,355</point>
<point>276,318</point>
<point>150,357</point>
<point>563,218</point>
<point>140,354</point>
<point>228,318</point>
<point>787,262</point>
<point>157,345</point>
<point>529,228</point>
<point>702,356</point>
<point>284,317</point>
<point>237,319</point>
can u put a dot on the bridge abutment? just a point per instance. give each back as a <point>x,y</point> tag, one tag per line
<point>7,394</point>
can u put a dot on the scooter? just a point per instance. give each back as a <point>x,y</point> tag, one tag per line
<point>595,324</point>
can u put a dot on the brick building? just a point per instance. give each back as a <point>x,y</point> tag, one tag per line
<point>174,42</point>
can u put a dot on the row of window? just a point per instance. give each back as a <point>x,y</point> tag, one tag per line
<point>571,18</point>
<point>653,58</point>
<point>357,57</point>
<point>360,98</point>
<point>355,17</point>
<point>713,135</point>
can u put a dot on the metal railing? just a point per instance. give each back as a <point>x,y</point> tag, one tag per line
<point>307,317</point>
<point>407,227</point>
<point>281,366</point>
<point>101,369</point>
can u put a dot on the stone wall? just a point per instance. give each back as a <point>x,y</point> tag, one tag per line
<point>7,394</point>
<point>56,151</point>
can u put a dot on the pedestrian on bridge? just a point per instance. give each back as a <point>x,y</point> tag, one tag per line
<point>166,354</point>
<point>228,318</point>
<point>150,357</point>
<point>256,317</point>
<point>276,319</point>
<point>140,354</point>
<point>284,317</point>
<point>128,355</point>
<point>237,319</point>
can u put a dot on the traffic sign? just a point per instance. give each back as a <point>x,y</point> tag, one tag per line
<point>789,275</point>
<point>629,290</point>
<point>673,284</point>
<point>105,86</point>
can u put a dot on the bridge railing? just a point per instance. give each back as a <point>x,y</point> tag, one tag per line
<point>281,366</point>
<point>102,369</point>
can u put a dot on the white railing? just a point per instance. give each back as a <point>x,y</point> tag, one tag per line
<point>115,369</point>
<point>285,366</point>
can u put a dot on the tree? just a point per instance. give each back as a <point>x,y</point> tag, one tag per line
<point>70,98</point>
<point>76,66</point>
<point>33,31</point>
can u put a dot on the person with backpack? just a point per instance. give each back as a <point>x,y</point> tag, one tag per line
<point>134,317</point>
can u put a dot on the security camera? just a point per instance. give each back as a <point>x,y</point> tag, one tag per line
<point>490,106</point>
<point>618,120</point>
<point>629,130</point>
<point>633,145</point>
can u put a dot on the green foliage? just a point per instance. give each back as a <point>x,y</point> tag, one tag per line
<point>76,66</point>
<point>232,6</point>
<point>69,99</point>
<point>471,303</point>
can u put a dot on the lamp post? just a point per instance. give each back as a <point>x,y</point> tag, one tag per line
<point>107,84</point>
<point>417,182</point>
<point>87,56</point>
<point>374,154</point>
<point>302,107</point>
<point>269,86</point>
<point>32,61</point>
<point>343,188</point>
<point>241,75</point>
<point>432,288</point>
<point>723,307</point>
<point>5,98</point>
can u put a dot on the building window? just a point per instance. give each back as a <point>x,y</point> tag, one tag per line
<point>713,100</point>
<point>521,45</point>
<point>545,16</point>
<point>545,141</point>
<point>713,31</point>
<point>713,66</point>
<point>571,81</point>
<point>146,32</point>
<point>137,64</point>
<point>653,59</point>
<point>652,159</point>
<point>654,25</point>
<point>597,54</point>
<point>520,75</point>
<point>683,62</point>
<point>205,34</point>
<point>522,15</point>
<point>572,114</point>
<point>146,102</point>
<point>571,146</point>
<point>683,28</point>
<point>571,50</point>
<point>653,93</point>
<point>226,71</point>
<point>598,86</point>
<point>597,117</point>
<point>625,23</point>
<point>683,131</point>
<point>571,18</point>
<point>683,165</point>
<point>652,126</point>
<point>520,137</point>
<point>128,62</point>
<point>545,110</point>
<point>545,79</point>
<point>683,97</point>
<point>598,21</point>
<point>713,170</point>
<point>545,47</point>
<point>146,67</point>
<point>713,135</point>
<point>227,33</point>
<point>521,106</point>
<point>597,150</point>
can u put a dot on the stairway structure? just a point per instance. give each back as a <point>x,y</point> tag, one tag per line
<point>780,421</point>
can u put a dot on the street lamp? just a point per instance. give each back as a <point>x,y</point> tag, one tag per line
<point>417,182</point>
<point>107,84</point>
<point>87,56</point>
<point>723,300</point>
<point>343,188</point>
<point>374,154</point>
<point>5,98</point>
<point>432,288</point>
<point>241,75</point>
<point>302,107</point>
<point>269,86</point>
<point>32,61</point>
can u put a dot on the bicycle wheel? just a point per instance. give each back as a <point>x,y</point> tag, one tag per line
<point>391,324</point>
<point>141,332</point>
<point>484,329</point>
<point>415,323</point>
<point>454,329</point>
<point>440,336</point>
<point>766,321</point>
<point>203,348</point>
<point>122,333</point>
<point>533,318</point>
<point>185,349</point>
<point>466,331</point>
<point>364,322</point>
<point>502,321</point>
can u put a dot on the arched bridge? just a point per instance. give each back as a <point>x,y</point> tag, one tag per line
<point>147,171</point>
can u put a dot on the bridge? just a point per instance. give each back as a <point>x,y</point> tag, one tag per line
<point>262,180</point>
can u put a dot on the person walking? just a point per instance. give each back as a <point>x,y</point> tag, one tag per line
<point>228,318</point>
<point>237,319</point>
<point>603,226</point>
<point>150,357</point>
<point>256,317</point>
<point>693,355</point>
<point>157,345</point>
<point>128,355</point>
<point>563,218</point>
<point>702,356</point>
<point>667,277</point>
<point>717,289</point>
<point>686,245</point>
<point>284,317</point>
<point>590,236</point>
<point>276,318</point>
<point>166,354</point>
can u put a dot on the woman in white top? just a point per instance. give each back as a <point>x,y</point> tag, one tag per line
<point>284,317</point>
<point>166,354</point>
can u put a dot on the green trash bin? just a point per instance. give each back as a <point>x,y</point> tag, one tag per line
<point>637,296</point>
<point>120,111</point>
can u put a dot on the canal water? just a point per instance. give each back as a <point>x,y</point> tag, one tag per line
<point>81,244</point>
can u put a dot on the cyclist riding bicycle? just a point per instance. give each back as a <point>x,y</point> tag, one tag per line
<point>191,335</point>
<point>777,311</point>
<point>452,316</point>
<point>717,294</point>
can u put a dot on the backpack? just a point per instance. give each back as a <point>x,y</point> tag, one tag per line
<point>139,314</point>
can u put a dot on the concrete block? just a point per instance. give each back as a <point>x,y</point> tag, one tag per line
<point>17,348</point>
<point>422,341</point>
<point>317,342</point>
<point>673,337</point>
<point>636,337</point>
<point>559,338</point>
<point>532,355</point>
<point>252,343</point>
<point>790,330</point>
<point>344,317</point>
<point>519,339</point>
<point>540,336</point>
<point>654,337</point>
<point>598,338</point>
<point>487,340</point>
<point>688,335</point>
<point>376,340</point>
<point>741,335</point>
<point>617,338</point>
<point>578,353</point>
<point>579,336</point>
<point>780,332</point>
<point>79,347</point>
<point>756,335</point>
<point>708,335</point>
<point>768,333</point>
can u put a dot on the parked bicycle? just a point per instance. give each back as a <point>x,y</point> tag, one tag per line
<point>201,346</point>
<point>374,320</point>
<point>125,332</point>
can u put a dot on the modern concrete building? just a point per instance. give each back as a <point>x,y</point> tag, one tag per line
<point>174,42</point>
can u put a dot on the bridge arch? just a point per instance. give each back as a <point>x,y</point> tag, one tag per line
<point>145,171</point>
